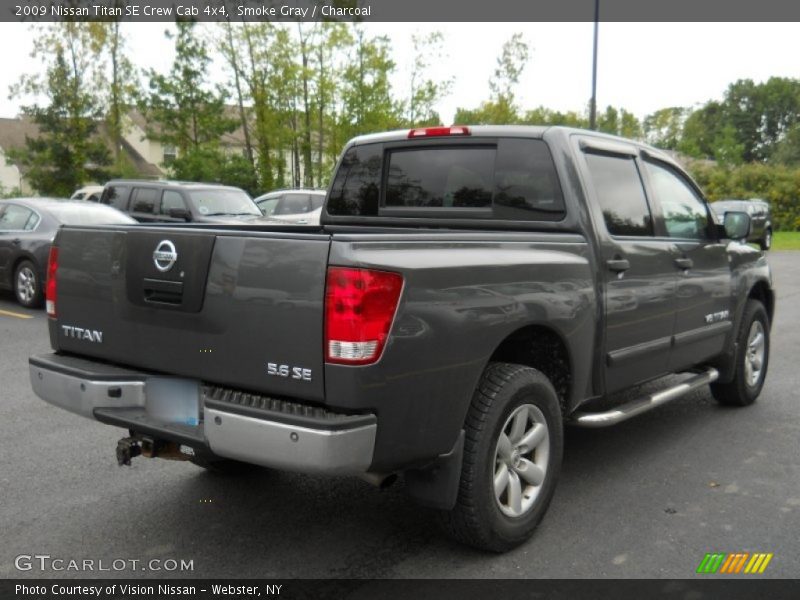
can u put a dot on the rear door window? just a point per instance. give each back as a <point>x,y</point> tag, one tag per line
<point>620,194</point>
<point>144,200</point>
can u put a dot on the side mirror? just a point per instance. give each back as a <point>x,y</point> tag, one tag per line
<point>737,225</point>
<point>180,213</point>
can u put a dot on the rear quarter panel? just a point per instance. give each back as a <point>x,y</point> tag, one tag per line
<point>463,295</point>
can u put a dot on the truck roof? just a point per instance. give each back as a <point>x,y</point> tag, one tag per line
<point>526,131</point>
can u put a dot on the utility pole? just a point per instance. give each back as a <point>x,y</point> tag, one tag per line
<point>593,102</point>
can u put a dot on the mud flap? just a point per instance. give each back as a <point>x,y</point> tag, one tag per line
<point>436,486</point>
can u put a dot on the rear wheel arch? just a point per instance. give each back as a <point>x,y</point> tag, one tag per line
<point>545,350</point>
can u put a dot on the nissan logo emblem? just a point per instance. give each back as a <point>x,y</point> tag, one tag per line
<point>165,256</point>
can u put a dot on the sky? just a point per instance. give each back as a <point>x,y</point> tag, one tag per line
<point>641,66</point>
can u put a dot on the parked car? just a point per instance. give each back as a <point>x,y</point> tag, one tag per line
<point>180,202</point>
<point>27,229</point>
<point>301,206</point>
<point>469,291</point>
<point>90,193</point>
<point>760,218</point>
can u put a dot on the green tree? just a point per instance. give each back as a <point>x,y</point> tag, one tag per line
<point>501,108</point>
<point>122,84</point>
<point>188,113</point>
<point>787,151</point>
<point>664,127</point>
<point>618,121</point>
<point>546,116</point>
<point>67,151</point>
<point>424,92</point>
<point>367,104</point>
<point>512,61</point>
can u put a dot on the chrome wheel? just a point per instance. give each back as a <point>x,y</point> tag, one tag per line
<point>26,285</point>
<point>521,460</point>
<point>754,357</point>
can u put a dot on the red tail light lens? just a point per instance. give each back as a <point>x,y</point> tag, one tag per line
<point>438,131</point>
<point>359,309</point>
<point>50,286</point>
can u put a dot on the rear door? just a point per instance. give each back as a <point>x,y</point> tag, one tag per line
<point>144,204</point>
<point>703,276</point>
<point>637,269</point>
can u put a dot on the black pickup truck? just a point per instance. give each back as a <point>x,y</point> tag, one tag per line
<point>469,292</point>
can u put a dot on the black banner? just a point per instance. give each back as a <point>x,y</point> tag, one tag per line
<point>433,589</point>
<point>400,10</point>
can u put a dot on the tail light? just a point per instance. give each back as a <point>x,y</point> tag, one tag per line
<point>360,305</point>
<point>50,286</point>
<point>438,131</point>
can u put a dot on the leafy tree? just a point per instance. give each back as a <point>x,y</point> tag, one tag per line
<point>546,116</point>
<point>366,99</point>
<point>122,85</point>
<point>212,165</point>
<point>424,92</point>
<point>67,152</point>
<point>187,112</point>
<point>510,64</point>
<point>664,127</point>
<point>787,151</point>
<point>501,108</point>
<point>619,122</point>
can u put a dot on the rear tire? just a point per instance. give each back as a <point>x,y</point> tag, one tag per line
<point>766,242</point>
<point>512,458</point>
<point>752,359</point>
<point>27,287</point>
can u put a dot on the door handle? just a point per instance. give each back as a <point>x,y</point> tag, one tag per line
<point>684,263</point>
<point>618,265</point>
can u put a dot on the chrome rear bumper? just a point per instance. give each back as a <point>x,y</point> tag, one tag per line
<point>335,444</point>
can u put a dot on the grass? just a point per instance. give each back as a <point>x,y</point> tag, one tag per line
<point>786,240</point>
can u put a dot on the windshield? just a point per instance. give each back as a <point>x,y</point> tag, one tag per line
<point>223,202</point>
<point>89,214</point>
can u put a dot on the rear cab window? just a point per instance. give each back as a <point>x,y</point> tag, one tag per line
<point>481,177</point>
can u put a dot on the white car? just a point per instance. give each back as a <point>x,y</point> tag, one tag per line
<point>90,193</point>
<point>300,206</point>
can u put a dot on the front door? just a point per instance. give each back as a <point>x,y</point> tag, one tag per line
<point>704,308</point>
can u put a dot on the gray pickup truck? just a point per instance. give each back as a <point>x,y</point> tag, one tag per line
<point>469,292</point>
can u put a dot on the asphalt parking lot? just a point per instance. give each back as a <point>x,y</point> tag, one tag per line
<point>647,498</point>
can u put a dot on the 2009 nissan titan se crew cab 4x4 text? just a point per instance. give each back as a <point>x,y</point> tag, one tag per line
<point>469,290</point>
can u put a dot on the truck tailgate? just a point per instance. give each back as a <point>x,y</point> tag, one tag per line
<point>226,306</point>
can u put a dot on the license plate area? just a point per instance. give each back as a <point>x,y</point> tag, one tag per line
<point>173,400</point>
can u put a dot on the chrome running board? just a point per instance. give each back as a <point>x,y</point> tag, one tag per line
<point>644,404</point>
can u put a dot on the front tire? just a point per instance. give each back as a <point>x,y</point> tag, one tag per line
<point>766,242</point>
<point>752,359</point>
<point>512,458</point>
<point>27,287</point>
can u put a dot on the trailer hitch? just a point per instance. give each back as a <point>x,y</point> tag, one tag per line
<point>136,445</point>
<point>128,448</point>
